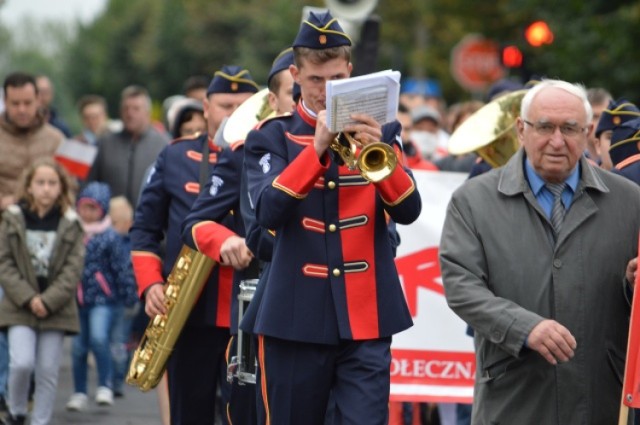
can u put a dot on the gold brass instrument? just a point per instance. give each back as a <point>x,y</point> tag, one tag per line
<point>184,284</point>
<point>490,131</point>
<point>248,114</point>
<point>375,162</point>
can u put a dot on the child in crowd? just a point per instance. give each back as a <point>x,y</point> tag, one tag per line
<point>107,282</point>
<point>121,213</point>
<point>41,258</point>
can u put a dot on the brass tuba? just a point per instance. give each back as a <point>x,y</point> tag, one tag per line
<point>185,282</point>
<point>189,274</point>
<point>490,131</point>
<point>375,162</point>
<point>247,116</point>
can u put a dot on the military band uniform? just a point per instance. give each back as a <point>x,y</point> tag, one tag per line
<point>332,298</point>
<point>214,217</point>
<point>625,150</point>
<point>196,365</point>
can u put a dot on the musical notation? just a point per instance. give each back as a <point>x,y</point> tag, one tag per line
<point>371,102</point>
<point>372,94</point>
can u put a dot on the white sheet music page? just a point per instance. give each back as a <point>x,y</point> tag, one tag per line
<point>372,94</point>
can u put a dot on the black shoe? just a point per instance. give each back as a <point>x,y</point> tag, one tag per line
<point>118,394</point>
<point>14,420</point>
<point>3,405</point>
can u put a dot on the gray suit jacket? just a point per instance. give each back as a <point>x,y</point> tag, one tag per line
<point>122,161</point>
<point>503,274</point>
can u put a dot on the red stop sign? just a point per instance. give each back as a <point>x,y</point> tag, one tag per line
<point>475,62</point>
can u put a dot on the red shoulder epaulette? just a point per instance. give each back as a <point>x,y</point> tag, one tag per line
<point>235,145</point>
<point>188,137</point>
<point>275,117</point>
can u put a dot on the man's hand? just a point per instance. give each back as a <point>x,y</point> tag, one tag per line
<point>323,137</point>
<point>234,253</point>
<point>366,131</point>
<point>630,274</point>
<point>37,307</point>
<point>154,300</point>
<point>553,341</point>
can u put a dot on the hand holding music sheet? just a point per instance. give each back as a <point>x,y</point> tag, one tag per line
<point>372,94</point>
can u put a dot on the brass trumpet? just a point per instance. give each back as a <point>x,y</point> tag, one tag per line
<point>376,161</point>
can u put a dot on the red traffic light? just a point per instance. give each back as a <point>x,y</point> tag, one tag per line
<point>512,57</point>
<point>538,33</point>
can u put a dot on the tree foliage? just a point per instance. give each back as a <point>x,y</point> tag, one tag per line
<point>159,44</point>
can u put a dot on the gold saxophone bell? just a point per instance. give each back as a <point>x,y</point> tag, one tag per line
<point>375,162</point>
<point>490,131</point>
<point>185,282</point>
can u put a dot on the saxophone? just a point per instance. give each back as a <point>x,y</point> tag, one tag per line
<point>185,282</point>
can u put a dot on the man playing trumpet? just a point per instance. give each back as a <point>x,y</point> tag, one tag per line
<point>332,299</point>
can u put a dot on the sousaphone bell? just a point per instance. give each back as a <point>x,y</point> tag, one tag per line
<point>490,131</point>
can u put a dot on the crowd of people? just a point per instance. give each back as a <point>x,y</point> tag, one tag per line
<point>90,256</point>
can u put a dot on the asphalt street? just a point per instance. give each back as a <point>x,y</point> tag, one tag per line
<point>135,408</point>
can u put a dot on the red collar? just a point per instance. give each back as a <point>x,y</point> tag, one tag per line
<point>630,160</point>
<point>304,114</point>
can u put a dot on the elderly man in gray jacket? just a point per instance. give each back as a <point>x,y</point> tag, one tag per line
<point>539,258</point>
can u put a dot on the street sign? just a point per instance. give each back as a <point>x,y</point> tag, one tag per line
<point>475,62</point>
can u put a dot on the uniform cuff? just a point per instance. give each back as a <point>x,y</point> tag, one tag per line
<point>298,178</point>
<point>209,236</point>
<point>147,267</point>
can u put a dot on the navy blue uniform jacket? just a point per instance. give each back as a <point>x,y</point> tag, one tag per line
<point>332,274</point>
<point>215,215</point>
<point>172,188</point>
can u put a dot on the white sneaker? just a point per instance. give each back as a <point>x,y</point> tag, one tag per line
<point>104,396</point>
<point>77,402</point>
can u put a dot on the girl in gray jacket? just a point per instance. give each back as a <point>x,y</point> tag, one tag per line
<point>41,259</point>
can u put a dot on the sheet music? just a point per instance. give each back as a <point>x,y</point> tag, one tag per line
<point>372,94</point>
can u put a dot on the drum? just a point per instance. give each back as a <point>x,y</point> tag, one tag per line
<point>243,366</point>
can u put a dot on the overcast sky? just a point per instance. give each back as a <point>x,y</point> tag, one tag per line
<point>11,11</point>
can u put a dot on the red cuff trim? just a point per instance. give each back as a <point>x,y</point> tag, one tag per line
<point>147,267</point>
<point>396,187</point>
<point>209,236</point>
<point>298,178</point>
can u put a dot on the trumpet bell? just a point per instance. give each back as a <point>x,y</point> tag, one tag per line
<point>490,131</point>
<point>377,161</point>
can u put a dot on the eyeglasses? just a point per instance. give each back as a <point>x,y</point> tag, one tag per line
<point>545,128</point>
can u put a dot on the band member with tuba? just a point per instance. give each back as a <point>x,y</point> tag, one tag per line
<point>196,365</point>
<point>332,298</point>
<point>205,229</point>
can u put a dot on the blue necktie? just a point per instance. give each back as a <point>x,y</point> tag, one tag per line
<point>557,211</point>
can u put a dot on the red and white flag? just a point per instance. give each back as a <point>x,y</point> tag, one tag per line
<point>433,361</point>
<point>76,157</point>
<point>631,390</point>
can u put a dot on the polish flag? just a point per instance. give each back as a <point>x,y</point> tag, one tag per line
<point>77,157</point>
<point>631,387</point>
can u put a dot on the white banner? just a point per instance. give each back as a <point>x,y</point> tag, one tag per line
<point>434,360</point>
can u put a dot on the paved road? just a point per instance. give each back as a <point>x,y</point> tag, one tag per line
<point>135,408</point>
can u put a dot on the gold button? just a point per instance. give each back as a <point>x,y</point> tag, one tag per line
<point>336,272</point>
<point>331,185</point>
<point>332,227</point>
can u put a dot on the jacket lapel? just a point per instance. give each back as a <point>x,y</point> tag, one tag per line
<point>513,182</point>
